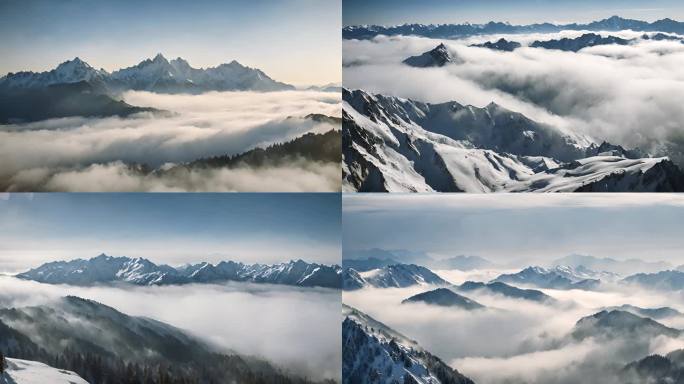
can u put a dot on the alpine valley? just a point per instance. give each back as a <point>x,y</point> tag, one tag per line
<point>512,108</point>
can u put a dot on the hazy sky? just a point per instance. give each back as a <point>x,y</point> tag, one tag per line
<point>390,12</point>
<point>169,228</point>
<point>295,41</point>
<point>525,227</point>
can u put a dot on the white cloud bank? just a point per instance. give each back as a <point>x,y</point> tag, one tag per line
<point>87,154</point>
<point>628,95</point>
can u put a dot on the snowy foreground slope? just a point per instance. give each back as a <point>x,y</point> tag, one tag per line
<point>392,144</point>
<point>32,372</point>
<point>374,353</point>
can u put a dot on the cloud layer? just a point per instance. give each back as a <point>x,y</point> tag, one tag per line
<point>77,154</point>
<point>628,95</point>
<point>516,341</point>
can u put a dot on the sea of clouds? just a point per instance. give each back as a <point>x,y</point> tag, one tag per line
<point>518,341</point>
<point>94,154</point>
<point>628,95</point>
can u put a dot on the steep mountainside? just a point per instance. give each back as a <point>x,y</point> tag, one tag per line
<point>104,345</point>
<point>374,353</point>
<point>140,271</point>
<point>392,144</point>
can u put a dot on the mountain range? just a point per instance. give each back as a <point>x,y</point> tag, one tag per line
<point>365,260</point>
<point>620,267</point>
<point>452,31</point>
<point>390,276</point>
<point>622,324</point>
<point>373,353</point>
<point>105,269</point>
<point>575,44</point>
<point>670,280</point>
<point>75,88</point>
<point>154,75</point>
<point>392,144</point>
<point>104,345</point>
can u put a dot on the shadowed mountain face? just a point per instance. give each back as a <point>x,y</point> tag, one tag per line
<point>500,45</point>
<point>437,57</point>
<point>444,297</point>
<point>450,31</point>
<point>61,100</point>
<point>374,353</point>
<point>105,269</point>
<point>103,345</point>
<point>663,280</point>
<point>620,324</point>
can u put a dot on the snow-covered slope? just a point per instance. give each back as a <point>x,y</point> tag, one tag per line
<point>392,144</point>
<point>438,57</point>
<point>140,271</point>
<point>20,371</point>
<point>391,276</point>
<point>374,353</point>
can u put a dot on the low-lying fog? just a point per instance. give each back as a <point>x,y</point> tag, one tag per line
<point>89,154</point>
<point>518,341</point>
<point>295,328</point>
